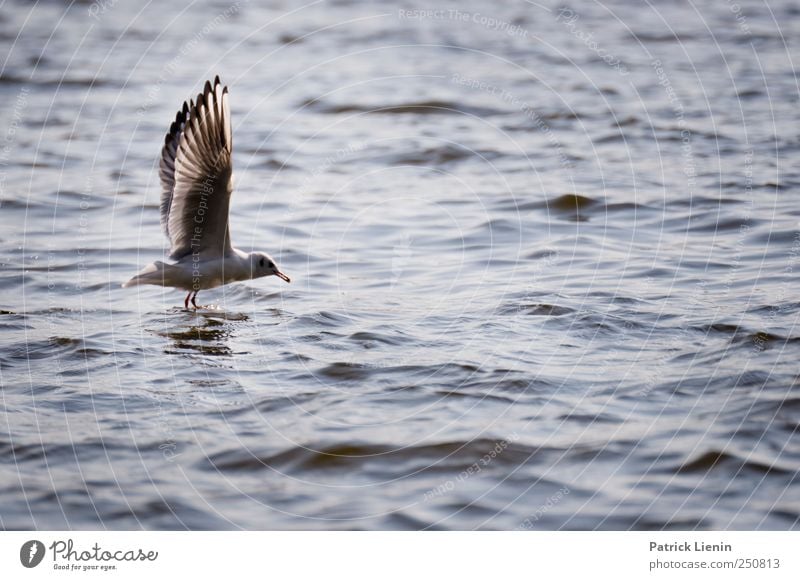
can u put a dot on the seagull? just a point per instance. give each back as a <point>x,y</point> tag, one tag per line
<point>197,181</point>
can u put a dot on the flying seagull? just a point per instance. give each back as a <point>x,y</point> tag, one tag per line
<point>197,181</point>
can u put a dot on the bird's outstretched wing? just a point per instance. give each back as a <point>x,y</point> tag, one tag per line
<point>196,176</point>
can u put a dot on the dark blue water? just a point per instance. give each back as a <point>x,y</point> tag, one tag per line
<point>544,267</point>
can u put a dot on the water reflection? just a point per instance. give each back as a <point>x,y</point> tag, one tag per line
<point>208,333</point>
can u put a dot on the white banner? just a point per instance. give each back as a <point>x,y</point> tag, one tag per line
<point>401,555</point>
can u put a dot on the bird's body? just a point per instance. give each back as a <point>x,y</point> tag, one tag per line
<point>197,181</point>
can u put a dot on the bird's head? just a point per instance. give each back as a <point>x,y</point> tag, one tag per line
<point>262,264</point>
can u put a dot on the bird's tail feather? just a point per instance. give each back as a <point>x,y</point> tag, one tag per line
<point>151,274</point>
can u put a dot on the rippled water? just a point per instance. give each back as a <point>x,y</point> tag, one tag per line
<point>543,265</point>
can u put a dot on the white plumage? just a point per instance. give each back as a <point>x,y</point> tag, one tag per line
<point>196,174</point>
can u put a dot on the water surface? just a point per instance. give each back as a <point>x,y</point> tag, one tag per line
<point>543,261</point>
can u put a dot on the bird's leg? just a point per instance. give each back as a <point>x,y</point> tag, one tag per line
<point>186,302</point>
<point>193,298</point>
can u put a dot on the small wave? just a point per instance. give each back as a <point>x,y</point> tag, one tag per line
<point>716,460</point>
<point>344,371</point>
<point>536,309</point>
<point>57,453</point>
<point>590,419</point>
<point>757,339</point>
<point>323,318</point>
<point>349,456</point>
<point>571,206</point>
<point>712,224</point>
<point>504,388</point>
<point>370,338</point>
<point>791,516</point>
<point>749,93</point>
<point>609,138</point>
<point>416,108</point>
<point>21,79</point>
<point>56,346</point>
<point>571,202</point>
<point>434,156</point>
<point>654,37</point>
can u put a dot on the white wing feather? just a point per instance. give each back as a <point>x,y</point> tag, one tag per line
<point>196,176</point>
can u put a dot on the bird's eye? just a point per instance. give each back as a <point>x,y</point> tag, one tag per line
<point>261,262</point>
<point>271,265</point>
